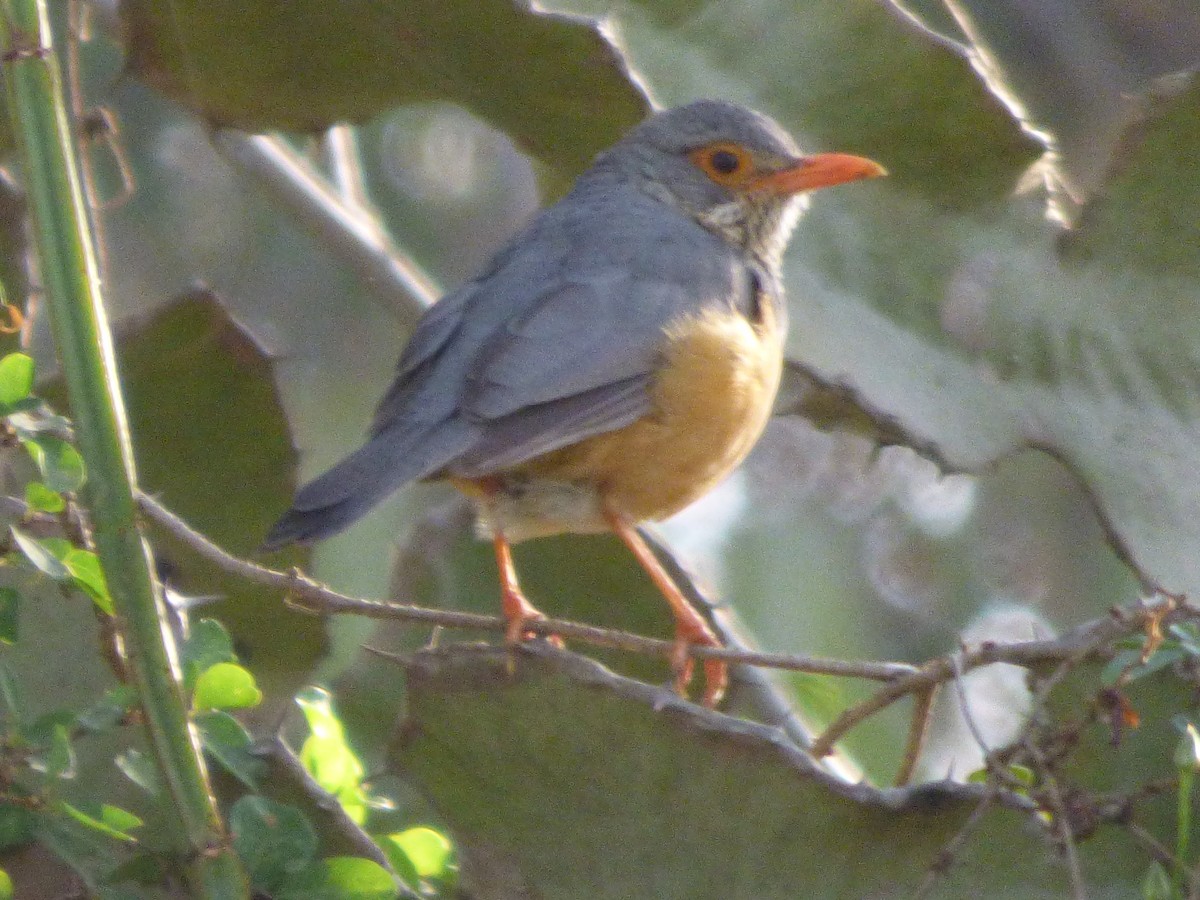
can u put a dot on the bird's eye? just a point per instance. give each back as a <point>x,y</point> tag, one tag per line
<point>724,162</point>
<point>727,164</point>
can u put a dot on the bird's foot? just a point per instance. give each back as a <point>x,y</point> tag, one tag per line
<point>519,612</point>
<point>695,631</point>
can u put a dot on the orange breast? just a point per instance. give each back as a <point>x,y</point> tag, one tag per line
<point>712,398</point>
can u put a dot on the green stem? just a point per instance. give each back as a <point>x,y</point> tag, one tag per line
<point>70,275</point>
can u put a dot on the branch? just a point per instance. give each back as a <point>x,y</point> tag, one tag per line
<point>900,679</point>
<point>347,228</point>
<point>310,596</point>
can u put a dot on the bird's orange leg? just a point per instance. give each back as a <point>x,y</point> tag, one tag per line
<point>690,627</point>
<point>513,603</point>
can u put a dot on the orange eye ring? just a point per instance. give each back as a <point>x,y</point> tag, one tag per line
<point>726,163</point>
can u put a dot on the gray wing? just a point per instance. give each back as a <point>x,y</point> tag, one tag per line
<point>578,363</point>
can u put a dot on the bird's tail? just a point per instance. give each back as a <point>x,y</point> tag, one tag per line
<point>344,494</point>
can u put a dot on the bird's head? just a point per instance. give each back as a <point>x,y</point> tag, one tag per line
<point>737,172</point>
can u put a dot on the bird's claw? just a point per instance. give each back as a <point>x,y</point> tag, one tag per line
<point>716,671</point>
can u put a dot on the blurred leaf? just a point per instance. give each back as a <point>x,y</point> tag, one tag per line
<point>272,840</point>
<point>10,693</point>
<point>88,576</point>
<point>148,869</point>
<point>119,819</point>
<point>109,710</point>
<point>10,606</point>
<point>60,463</point>
<point>428,852</point>
<point>6,886</point>
<point>404,868</point>
<point>1081,76</point>
<point>231,745</point>
<point>40,555</point>
<point>60,759</point>
<point>356,58</point>
<point>62,561</point>
<point>1127,663</point>
<point>16,379</point>
<point>42,499</point>
<point>1157,883</point>
<point>327,756</point>
<point>354,878</point>
<point>113,822</point>
<point>225,686</point>
<point>17,825</point>
<point>207,644</point>
<point>721,807</point>
<point>141,769</point>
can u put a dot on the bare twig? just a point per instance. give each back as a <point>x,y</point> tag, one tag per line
<point>964,705</point>
<point>918,729</point>
<point>945,859</point>
<point>1070,649</point>
<point>346,228</point>
<point>1062,819</point>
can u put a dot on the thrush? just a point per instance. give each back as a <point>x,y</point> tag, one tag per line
<point>613,363</point>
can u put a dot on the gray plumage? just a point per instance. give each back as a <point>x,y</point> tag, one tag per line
<point>558,339</point>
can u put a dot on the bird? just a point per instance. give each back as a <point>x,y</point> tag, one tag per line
<point>613,362</point>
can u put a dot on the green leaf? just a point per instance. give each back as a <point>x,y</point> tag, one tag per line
<point>273,840</point>
<point>119,819</point>
<point>10,603</point>
<point>1128,660</point>
<point>88,576</point>
<point>430,852</point>
<point>207,644</point>
<point>325,753</point>
<point>10,693</point>
<point>101,825</point>
<point>400,863</point>
<point>355,878</point>
<point>60,760</point>
<point>1157,883</point>
<point>147,869</point>
<point>6,886</point>
<point>109,710</point>
<point>42,499</point>
<point>224,738</point>
<point>226,686</point>
<point>60,463</point>
<point>39,554</point>
<point>141,770</point>
<point>16,378</point>
<point>17,825</point>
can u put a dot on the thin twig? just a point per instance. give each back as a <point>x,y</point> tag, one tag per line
<point>964,705</point>
<point>918,729</point>
<point>1070,648</point>
<point>952,848</point>
<point>1062,819</point>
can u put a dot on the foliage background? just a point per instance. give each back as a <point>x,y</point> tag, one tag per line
<point>1050,373</point>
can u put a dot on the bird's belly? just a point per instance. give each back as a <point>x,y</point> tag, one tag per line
<point>711,400</point>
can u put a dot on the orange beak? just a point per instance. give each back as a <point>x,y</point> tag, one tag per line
<point>821,170</point>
